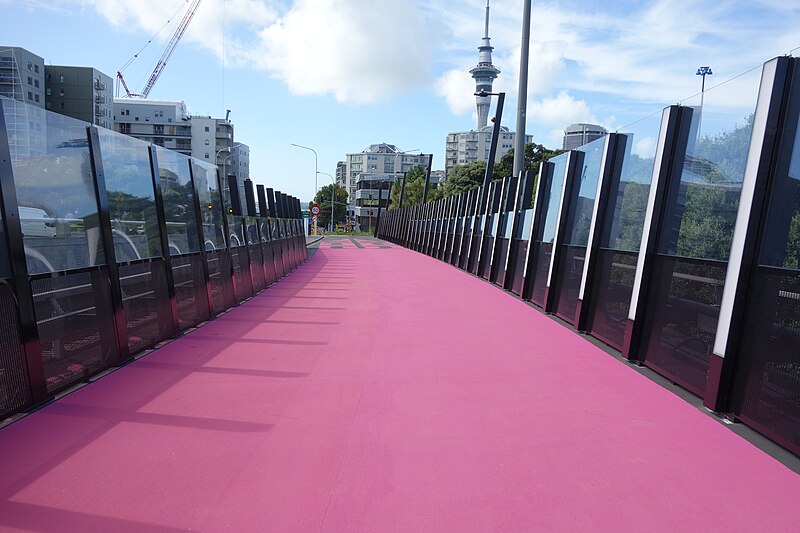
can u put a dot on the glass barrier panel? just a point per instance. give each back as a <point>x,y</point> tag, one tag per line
<point>55,189</point>
<point>628,199</point>
<point>697,233</point>
<point>131,198</point>
<point>236,231</point>
<point>176,188</point>
<point>211,208</point>
<point>622,233</point>
<point>580,208</point>
<point>767,380</point>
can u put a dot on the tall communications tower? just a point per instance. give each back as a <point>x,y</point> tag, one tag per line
<point>484,74</point>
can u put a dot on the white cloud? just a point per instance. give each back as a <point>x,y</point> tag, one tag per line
<point>562,110</point>
<point>457,87</point>
<point>359,52</point>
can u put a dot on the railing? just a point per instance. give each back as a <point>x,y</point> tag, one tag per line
<point>125,246</point>
<point>676,242</point>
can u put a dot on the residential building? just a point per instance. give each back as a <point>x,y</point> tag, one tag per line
<point>212,141</point>
<point>163,123</point>
<point>239,165</point>
<point>464,147</point>
<point>379,158</point>
<point>579,134</point>
<point>22,80</point>
<point>341,174</point>
<point>83,93</point>
<point>22,75</point>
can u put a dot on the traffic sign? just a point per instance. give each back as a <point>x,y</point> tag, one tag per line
<point>306,214</point>
<point>315,210</point>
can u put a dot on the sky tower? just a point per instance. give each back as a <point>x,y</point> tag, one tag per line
<point>484,74</point>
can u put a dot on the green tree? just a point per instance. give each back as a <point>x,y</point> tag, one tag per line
<point>534,155</point>
<point>415,184</point>
<point>463,178</point>
<point>323,198</point>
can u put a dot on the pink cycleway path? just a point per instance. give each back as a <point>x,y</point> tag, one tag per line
<point>376,389</point>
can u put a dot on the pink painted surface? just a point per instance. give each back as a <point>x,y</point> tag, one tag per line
<point>366,393</point>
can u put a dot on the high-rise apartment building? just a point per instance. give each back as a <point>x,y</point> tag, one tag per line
<point>83,93</point>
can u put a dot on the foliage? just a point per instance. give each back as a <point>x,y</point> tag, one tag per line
<point>463,178</point>
<point>323,198</point>
<point>709,193</point>
<point>534,155</point>
<point>415,187</point>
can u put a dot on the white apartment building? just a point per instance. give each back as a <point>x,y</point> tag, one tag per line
<point>162,123</point>
<point>464,147</point>
<point>378,159</point>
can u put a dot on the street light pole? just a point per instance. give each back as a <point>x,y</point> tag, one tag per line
<point>316,163</point>
<point>522,92</point>
<point>333,196</point>
<point>703,72</point>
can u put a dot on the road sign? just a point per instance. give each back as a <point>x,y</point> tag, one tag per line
<point>306,214</point>
<point>315,210</point>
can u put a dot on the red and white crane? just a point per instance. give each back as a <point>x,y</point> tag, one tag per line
<point>162,62</point>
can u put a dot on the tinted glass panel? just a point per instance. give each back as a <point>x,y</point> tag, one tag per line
<point>131,199</point>
<point>55,189</point>
<point>176,187</point>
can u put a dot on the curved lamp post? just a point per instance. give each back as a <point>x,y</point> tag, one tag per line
<point>333,194</point>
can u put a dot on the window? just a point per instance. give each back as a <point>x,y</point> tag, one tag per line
<point>30,66</point>
<point>61,92</point>
<point>30,80</point>
<point>48,105</point>
<point>30,95</point>
<point>36,83</point>
<point>36,69</point>
<point>61,78</point>
<point>206,128</point>
<point>48,92</point>
<point>61,106</point>
<point>206,153</point>
<point>207,142</point>
<point>35,97</point>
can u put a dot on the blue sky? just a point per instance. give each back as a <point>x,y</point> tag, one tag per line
<point>339,75</point>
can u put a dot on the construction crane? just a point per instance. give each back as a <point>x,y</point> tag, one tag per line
<point>162,62</point>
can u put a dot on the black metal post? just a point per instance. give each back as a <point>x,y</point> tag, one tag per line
<point>402,192</point>
<point>107,239</point>
<point>162,230</point>
<point>427,179</point>
<point>198,214</point>
<point>20,281</point>
<point>489,174</point>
